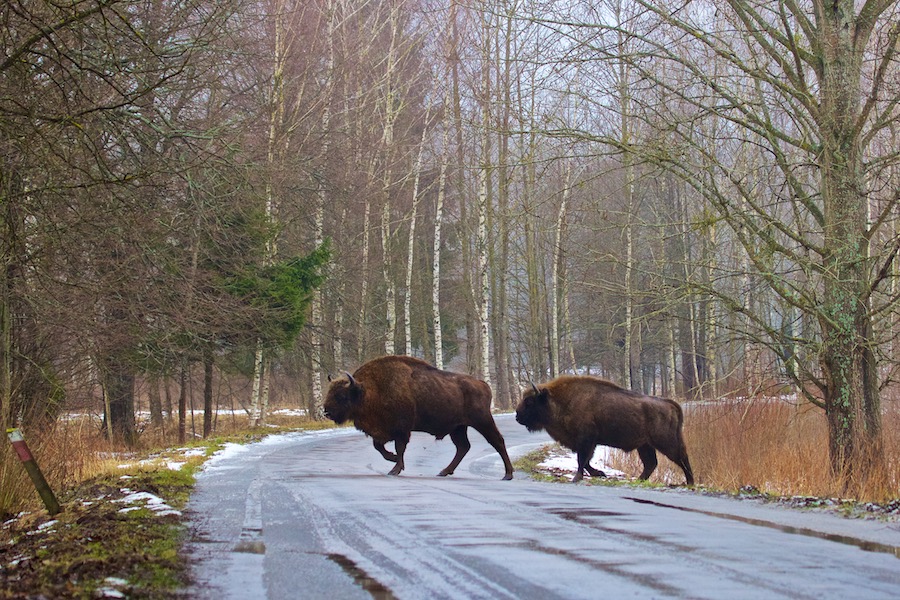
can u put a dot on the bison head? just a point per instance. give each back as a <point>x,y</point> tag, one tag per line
<point>534,409</point>
<point>343,398</point>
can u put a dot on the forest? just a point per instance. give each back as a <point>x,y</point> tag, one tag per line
<point>695,199</point>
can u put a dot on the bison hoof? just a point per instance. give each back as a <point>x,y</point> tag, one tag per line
<point>395,471</point>
<point>507,477</point>
<point>444,473</point>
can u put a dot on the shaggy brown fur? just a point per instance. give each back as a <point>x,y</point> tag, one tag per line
<point>582,412</point>
<point>389,397</point>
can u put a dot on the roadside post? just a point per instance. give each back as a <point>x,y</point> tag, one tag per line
<point>31,466</point>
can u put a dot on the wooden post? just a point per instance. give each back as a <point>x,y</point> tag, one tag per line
<point>24,454</point>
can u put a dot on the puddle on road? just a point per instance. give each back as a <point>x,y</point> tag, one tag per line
<point>250,541</point>
<point>375,588</point>
<point>831,537</point>
<point>250,547</point>
<point>578,514</point>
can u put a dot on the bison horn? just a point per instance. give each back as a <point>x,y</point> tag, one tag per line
<point>350,377</point>
<point>534,387</point>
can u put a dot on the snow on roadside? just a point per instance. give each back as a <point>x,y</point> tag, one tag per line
<point>170,462</point>
<point>561,462</point>
<point>139,500</point>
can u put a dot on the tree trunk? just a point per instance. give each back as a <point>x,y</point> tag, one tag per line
<point>118,382</point>
<point>436,253</point>
<point>155,401</point>
<point>410,246</point>
<point>631,366</point>
<point>852,401</point>
<point>256,414</point>
<point>471,313</point>
<point>557,267</point>
<point>315,324</point>
<point>6,352</point>
<point>208,361</point>
<point>390,115</point>
<point>182,402</point>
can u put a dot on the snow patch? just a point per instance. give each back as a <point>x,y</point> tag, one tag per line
<point>148,500</point>
<point>171,463</point>
<point>560,463</point>
<point>110,586</point>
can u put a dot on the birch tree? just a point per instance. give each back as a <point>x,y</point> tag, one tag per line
<point>438,225</point>
<point>556,287</point>
<point>411,239</point>
<point>259,394</point>
<point>321,201</point>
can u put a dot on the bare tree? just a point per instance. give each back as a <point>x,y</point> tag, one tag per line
<point>809,83</point>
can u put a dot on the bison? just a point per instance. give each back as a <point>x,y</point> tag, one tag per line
<point>582,412</point>
<point>389,397</point>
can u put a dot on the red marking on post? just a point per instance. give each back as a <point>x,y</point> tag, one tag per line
<point>22,451</point>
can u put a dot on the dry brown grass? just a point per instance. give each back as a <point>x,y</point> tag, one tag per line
<point>65,455</point>
<point>773,446</point>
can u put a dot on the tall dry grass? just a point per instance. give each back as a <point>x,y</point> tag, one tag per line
<point>67,454</point>
<point>773,446</point>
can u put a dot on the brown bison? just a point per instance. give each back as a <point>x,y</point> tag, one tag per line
<point>389,397</point>
<point>582,412</point>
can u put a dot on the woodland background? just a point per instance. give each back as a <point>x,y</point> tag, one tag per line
<point>696,200</point>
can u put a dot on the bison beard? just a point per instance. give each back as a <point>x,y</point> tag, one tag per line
<point>582,412</point>
<point>389,397</point>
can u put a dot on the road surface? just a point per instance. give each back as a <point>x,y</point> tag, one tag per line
<point>313,515</point>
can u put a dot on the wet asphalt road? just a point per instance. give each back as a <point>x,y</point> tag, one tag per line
<point>315,516</point>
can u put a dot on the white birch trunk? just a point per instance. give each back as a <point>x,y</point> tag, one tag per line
<point>625,135</point>
<point>711,341</point>
<point>555,291</point>
<point>255,396</point>
<point>364,284</point>
<point>407,319</point>
<point>436,264</point>
<point>483,207</point>
<point>337,272</point>
<point>264,392</point>
<point>390,291</point>
<point>276,113</point>
<point>670,356</point>
<point>485,280</point>
<point>321,199</point>
<point>390,114</point>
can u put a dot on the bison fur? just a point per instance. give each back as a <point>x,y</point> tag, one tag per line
<point>389,397</point>
<point>582,412</point>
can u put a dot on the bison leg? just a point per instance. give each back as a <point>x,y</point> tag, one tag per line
<point>593,472</point>
<point>495,439</point>
<point>648,457</point>
<point>385,452</point>
<point>584,462</point>
<point>685,465</point>
<point>461,441</point>
<point>679,457</point>
<point>400,446</point>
